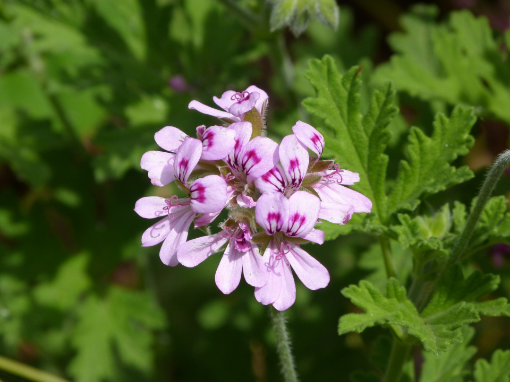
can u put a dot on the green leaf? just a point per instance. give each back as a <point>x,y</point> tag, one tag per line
<point>123,321</point>
<point>70,282</point>
<point>15,304</point>
<point>437,333</point>
<point>450,367</point>
<point>297,14</point>
<point>454,290</point>
<point>428,169</point>
<point>358,142</point>
<point>458,61</point>
<point>497,371</point>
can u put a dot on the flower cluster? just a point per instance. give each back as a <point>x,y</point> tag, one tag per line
<point>274,194</point>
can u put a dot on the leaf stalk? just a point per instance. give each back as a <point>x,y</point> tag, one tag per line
<point>27,372</point>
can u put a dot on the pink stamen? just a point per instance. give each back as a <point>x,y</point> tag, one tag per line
<point>337,171</point>
<point>240,97</point>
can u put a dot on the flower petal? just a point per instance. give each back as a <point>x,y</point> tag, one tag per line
<point>311,273</point>
<point>239,108</point>
<point>303,214</point>
<point>254,270</point>
<point>206,219</point>
<point>272,181</point>
<point>228,274</point>
<point>272,212</point>
<point>287,295</point>
<point>193,252</point>
<point>217,142</point>
<point>176,237</point>
<point>245,201</point>
<point>294,159</point>
<point>156,233</point>
<point>170,138</point>
<point>345,177</point>
<point>187,158</point>
<point>226,100</point>
<point>243,134</point>
<point>152,207</point>
<point>333,192</point>
<point>335,212</point>
<point>160,166</point>
<point>208,194</point>
<point>316,236</point>
<point>268,293</point>
<point>310,137</point>
<point>262,100</point>
<point>258,157</point>
<point>200,107</point>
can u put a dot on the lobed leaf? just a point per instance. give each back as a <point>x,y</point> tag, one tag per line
<point>496,371</point>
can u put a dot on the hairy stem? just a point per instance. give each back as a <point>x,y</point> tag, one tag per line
<point>283,346</point>
<point>462,244</point>
<point>243,13</point>
<point>27,372</point>
<point>398,357</point>
<point>388,258</point>
<point>501,163</point>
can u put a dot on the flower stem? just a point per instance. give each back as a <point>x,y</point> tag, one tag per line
<point>501,163</point>
<point>27,372</point>
<point>388,258</point>
<point>283,345</point>
<point>398,357</point>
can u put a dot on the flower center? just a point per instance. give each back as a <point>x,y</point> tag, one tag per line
<point>240,97</point>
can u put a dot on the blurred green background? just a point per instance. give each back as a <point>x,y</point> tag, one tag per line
<point>85,84</point>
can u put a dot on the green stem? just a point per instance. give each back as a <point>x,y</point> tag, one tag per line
<point>283,345</point>
<point>398,357</point>
<point>27,372</point>
<point>244,14</point>
<point>501,163</point>
<point>388,258</point>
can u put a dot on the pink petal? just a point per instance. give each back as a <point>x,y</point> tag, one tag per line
<point>346,177</point>
<point>208,194</point>
<point>335,212</point>
<point>303,214</point>
<point>226,100</point>
<point>156,233</point>
<point>294,159</point>
<point>254,270</point>
<point>263,97</point>
<point>287,294</point>
<point>187,158</point>
<point>228,274</point>
<point>316,236</point>
<point>243,134</point>
<point>309,137</point>
<point>200,107</point>
<point>333,192</point>
<point>170,138</point>
<point>258,157</point>
<point>217,142</point>
<point>193,252</point>
<point>272,181</point>
<point>311,273</point>
<point>272,212</point>
<point>245,201</point>
<point>268,293</point>
<point>152,207</point>
<point>239,108</point>
<point>176,237</point>
<point>160,166</point>
<point>206,219</point>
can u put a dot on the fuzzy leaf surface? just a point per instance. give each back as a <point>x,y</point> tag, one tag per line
<point>496,371</point>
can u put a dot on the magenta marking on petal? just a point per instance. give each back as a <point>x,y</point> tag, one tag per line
<point>296,176</point>
<point>240,97</point>
<point>347,218</point>
<point>208,140</point>
<point>250,157</point>
<point>275,222</point>
<point>274,173</point>
<point>296,222</point>
<point>183,167</point>
<point>198,192</point>
<point>316,140</point>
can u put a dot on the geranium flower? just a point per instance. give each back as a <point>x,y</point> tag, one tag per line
<point>290,223</point>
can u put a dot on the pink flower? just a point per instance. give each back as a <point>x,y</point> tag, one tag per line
<point>217,142</point>
<point>289,221</point>
<point>240,256</point>
<point>338,203</point>
<point>207,195</point>
<point>235,104</point>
